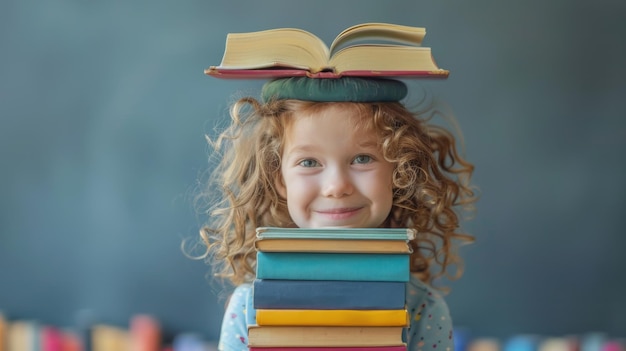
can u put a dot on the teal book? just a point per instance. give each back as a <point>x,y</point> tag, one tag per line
<point>332,266</point>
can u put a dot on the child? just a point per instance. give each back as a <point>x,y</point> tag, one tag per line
<point>337,152</point>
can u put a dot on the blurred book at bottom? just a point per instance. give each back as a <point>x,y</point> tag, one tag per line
<point>307,336</point>
<point>143,333</point>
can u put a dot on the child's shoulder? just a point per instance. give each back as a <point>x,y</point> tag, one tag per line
<point>431,323</point>
<point>240,305</point>
<point>420,294</point>
<point>240,295</point>
<point>242,289</point>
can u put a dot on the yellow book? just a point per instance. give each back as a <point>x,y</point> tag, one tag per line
<point>356,318</point>
<point>109,338</point>
<point>293,336</point>
<point>370,240</point>
<point>21,335</point>
<point>333,245</point>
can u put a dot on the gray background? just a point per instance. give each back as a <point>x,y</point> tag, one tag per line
<point>103,113</point>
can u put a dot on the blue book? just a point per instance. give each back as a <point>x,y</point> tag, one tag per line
<point>328,295</point>
<point>332,266</point>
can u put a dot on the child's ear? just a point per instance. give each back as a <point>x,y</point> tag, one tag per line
<point>281,189</point>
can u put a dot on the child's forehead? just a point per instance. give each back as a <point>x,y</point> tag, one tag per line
<point>346,117</point>
<point>328,130</point>
<point>341,110</point>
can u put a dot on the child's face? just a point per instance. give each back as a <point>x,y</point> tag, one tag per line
<point>334,175</point>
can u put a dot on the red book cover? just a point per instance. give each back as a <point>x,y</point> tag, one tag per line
<point>72,342</point>
<point>145,333</point>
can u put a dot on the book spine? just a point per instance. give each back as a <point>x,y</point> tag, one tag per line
<point>71,341</point>
<point>188,342</point>
<point>333,266</point>
<point>328,295</point>
<point>333,245</point>
<point>51,339</point>
<point>22,336</point>
<point>332,318</point>
<point>4,338</point>
<point>315,336</point>
<point>402,234</point>
<point>83,328</point>
<point>225,73</point>
<point>107,337</point>
<point>145,333</point>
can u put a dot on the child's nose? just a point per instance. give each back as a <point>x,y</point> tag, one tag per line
<point>337,183</point>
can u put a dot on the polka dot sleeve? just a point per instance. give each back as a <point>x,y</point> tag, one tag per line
<point>234,333</point>
<point>431,325</point>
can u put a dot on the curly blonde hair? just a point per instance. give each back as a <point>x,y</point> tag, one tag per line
<point>430,183</point>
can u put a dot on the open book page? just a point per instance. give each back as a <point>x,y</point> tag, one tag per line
<point>363,57</point>
<point>269,47</point>
<point>378,31</point>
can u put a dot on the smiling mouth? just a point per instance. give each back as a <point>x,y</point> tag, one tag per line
<point>340,210</point>
<point>340,213</point>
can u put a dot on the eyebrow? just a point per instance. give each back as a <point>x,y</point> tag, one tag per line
<point>368,144</point>
<point>307,147</point>
<point>300,148</point>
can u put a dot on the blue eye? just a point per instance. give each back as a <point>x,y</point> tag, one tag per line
<point>361,159</point>
<point>308,163</point>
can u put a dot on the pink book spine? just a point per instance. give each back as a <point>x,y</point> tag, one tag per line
<point>145,333</point>
<point>51,339</point>
<point>614,345</point>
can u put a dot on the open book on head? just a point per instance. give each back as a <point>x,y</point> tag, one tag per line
<point>365,50</point>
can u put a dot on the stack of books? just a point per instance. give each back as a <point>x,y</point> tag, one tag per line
<point>333,288</point>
